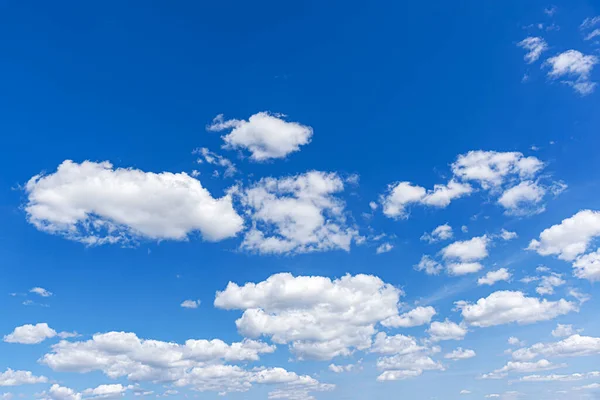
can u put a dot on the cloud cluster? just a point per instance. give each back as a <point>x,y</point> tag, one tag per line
<point>318,317</point>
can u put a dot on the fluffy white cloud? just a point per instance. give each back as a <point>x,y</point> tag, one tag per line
<point>415,317</point>
<point>560,378</point>
<point>570,238</point>
<point>429,266</point>
<point>16,378</point>
<point>548,283</point>
<point>463,268</point>
<point>514,341</point>
<point>403,194</point>
<point>321,318</point>
<point>446,330</point>
<point>465,391</point>
<point>491,168</point>
<point>563,330</point>
<point>209,157</point>
<point>30,334</point>
<point>492,277</point>
<point>460,354</point>
<point>535,46</point>
<point>505,307</point>
<point>297,214</point>
<point>205,365</point>
<point>522,367</point>
<point>575,65</point>
<point>469,250</point>
<point>573,346</point>
<point>588,266</point>
<point>95,204</point>
<point>106,391</point>
<point>265,135</point>
<point>58,392</point>
<point>190,304</point>
<point>442,232</point>
<point>338,369</point>
<point>41,292</point>
<point>523,199</point>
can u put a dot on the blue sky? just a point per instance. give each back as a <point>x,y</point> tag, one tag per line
<point>297,201</point>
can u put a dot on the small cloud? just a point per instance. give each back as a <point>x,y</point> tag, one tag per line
<point>190,304</point>
<point>41,292</point>
<point>384,248</point>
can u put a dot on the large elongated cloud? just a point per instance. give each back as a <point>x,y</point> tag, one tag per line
<point>297,214</point>
<point>320,318</point>
<point>264,135</point>
<point>95,203</point>
<point>505,307</point>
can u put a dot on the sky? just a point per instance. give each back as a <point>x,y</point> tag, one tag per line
<point>299,200</point>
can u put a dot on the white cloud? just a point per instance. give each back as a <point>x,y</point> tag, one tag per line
<point>464,391</point>
<point>384,248</point>
<point>592,34</point>
<point>416,317</point>
<point>190,304</point>
<point>573,64</point>
<point>507,235</point>
<point>563,330</point>
<point>523,199</point>
<point>505,307</point>
<point>492,277</point>
<point>446,330</point>
<point>513,341</point>
<point>442,232</point>
<point>297,214</point>
<point>205,365</point>
<point>460,354</point>
<point>320,318</point>
<point>469,250</point>
<point>491,168</point>
<point>338,369</point>
<point>265,135</point>
<point>535,46</point>
<point>406,358</point>
<point>16,378</point>
<point>58,392</point>
<point>94,203</point>
<point>560,378</point>
<point>570,238</point>
<point>573,346</point>
<point>403,194</point>
<point>106,391</point>
<point>30,334</point>
<point>429,265</point>
<point>588,266</point>
<point>522,367</point>
<point>463,268</point>
<point>41,292</point>
<point>548,283</point>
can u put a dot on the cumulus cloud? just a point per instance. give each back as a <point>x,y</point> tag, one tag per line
<point>468,250</point>
<point>523,199</point>
<point>460,354</point>
<point>429,266</point>
<point>442,232</point>
<point>492,277</point>
<point>560,378</point>
<point>209,157</point>
<point>265,135</point>
<point>403,194</point>
<point>570,238</point>
<point>416,317</point>
<point>30,334</point>
<point>16,378</point>
<point>505,307</point>
<point>95,203</point>
<point>588,266</point>
<point>548,283</point>
<point>535,46</point>
<point>338,369</point>
<point>446,330</point>
<point>491,168</point>
<point>507,235</point>
<point>384,248</point>
<point>463,268</point>
<point>563,330</point>
<point>320,318</point>
<point>573,346</point>
<point>576,67</point>
<point>297,214</point>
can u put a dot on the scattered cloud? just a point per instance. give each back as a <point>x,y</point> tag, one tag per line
<point>442,232</point>
<point>446,330</point>
<point>460,354</point>
<point>16,378</point>
<point>190,304</point>
<point>415,317</point>
<point>576,67</point>
<point>535,46</point>
<point>492,277</point>
<point>41,292</point>
<point>30,334</point>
